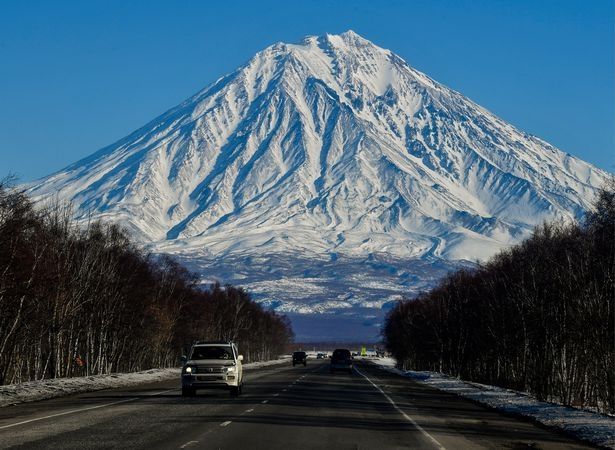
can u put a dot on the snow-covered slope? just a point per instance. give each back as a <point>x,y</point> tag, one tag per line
<point>333,144</point>
<point>330,148</point>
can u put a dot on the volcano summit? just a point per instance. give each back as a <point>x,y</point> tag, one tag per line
<point>327,177</point>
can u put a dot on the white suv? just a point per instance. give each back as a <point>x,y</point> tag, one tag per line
<point>212,365</point>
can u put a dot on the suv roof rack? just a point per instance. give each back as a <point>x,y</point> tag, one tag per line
<point>213,342</point>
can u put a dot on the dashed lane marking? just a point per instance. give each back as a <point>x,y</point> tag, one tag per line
<point>226,424</point>
<point>189,443</point>
<point>264,401</point>
<point>406,416</point>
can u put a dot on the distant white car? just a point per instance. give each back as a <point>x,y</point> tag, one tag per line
<point>212,365</point>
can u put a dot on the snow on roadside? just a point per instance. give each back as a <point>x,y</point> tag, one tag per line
<point>592,427</point>
<point>272,362</point>
<point>31,391</point>
<point>58,387</point>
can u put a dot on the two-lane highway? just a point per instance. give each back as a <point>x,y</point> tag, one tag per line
<point>282,407</point>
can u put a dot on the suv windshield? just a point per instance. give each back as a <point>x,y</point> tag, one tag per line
<point>212,352</point>
<point>299,355</point>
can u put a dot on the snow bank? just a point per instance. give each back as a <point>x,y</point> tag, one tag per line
<point>44,389</point>
<point>257,365</point>
<point>586,425</point>
<point>58,387</point>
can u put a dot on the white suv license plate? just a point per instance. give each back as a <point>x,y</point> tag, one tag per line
<point>209,378</point>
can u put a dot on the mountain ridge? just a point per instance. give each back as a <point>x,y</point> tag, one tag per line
<point>330,153</point>
<point>299,119</point>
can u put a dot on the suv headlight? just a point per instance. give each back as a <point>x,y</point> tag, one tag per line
<point>230,370</point>
<point>187,369</point>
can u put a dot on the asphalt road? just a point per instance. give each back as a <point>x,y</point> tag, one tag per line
<point>282,408</point>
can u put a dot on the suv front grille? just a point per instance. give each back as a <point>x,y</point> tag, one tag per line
<point>208,369</point>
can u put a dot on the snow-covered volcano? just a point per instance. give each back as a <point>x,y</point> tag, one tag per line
<point>331,147</point>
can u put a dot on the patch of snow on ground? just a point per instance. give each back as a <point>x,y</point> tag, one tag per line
<point>592,427</point>
<point>31,391</point>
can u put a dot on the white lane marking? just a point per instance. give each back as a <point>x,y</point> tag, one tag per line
<point>283,390</point>
<point>406,416</point>
<point>162,392</point>
<point>225,424</point>
<point>89,408</point>
<point>249,410</point>
<point>264,401</point>
<point>276,394</point>
<point>67,412</point>
<point>189,443</point>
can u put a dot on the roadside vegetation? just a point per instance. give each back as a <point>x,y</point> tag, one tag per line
<point>84,300</point>
<point>538,317</point>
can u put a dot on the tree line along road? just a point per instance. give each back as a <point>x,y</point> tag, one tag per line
<point>282,407</point>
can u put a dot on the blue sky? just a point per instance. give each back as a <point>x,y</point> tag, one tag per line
<point>76,76</point>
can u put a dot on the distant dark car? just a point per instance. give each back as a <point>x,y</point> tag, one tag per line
<point>321,356</point>
<point>299,358</point>
<point>341,360</point>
